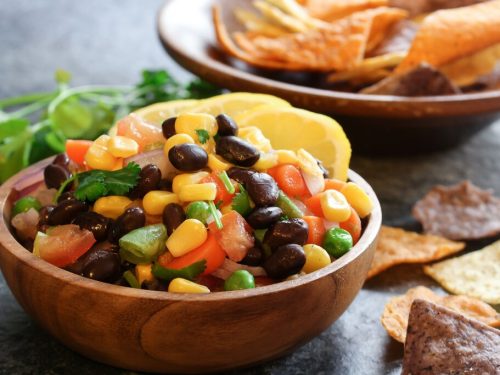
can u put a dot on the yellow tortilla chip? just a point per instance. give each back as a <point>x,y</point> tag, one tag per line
<point>448,35</point>
<point>279,17</point>
<point>254,23</point>
<point>331,10</point>
<point>397,246</point>
<point>383,19</point>
<point>396,311</point>
<point>294,9</point>
<point>476,274</point>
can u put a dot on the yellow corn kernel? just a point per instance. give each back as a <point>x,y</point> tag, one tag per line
<point>180,285</point>
<point>188,236</point>
<point>188,123</point>
<point>358,199</point>
<point>111,206</point>
<point>118,164</point>
<point>143,273</point>
<point>335,206</point>
<point>287,157</point>
<point>175,140</point>
<point>226,209</point>
<point>155,201</point>
<point>266,161</point>
<point>216,163</point>
<point>316,258</point>
<point>198,192</point>
<point>103,140</point>
<point>97,157</point>
<point>186,179</point>
<point>254,135</point>
<point>122,147</point>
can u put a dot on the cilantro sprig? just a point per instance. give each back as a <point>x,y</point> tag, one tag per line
<point>203,136</point>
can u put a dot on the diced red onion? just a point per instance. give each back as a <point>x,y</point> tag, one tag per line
<point>211,219</point>
<point>221,273</point>
<point>45,196</point>
<point>315,183</point>
<point>156,157</point>
<point>229,266</point>
<point>26,224</point>
<point>330,224</point>
<point>300,205</point>
<point>29,183</point>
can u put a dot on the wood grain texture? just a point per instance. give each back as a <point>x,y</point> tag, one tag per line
<point>163,332</point>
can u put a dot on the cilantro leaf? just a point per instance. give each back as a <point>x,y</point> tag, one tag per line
<point>189,272</point>
<point>241,202</point>
<point>97,183</point>
<point>203,136</point>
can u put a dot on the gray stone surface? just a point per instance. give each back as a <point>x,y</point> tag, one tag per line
<point>110,42</point>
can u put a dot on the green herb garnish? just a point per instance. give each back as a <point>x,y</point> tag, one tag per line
<point>203,136</point>
<point>241,202</point>
<point>215,214</point>
<point>189,272</point>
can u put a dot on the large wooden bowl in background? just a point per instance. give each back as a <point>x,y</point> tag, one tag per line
<point>163,332</point>
<point>375,124</point>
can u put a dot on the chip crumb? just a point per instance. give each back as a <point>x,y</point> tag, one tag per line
<point>398,246</point>
<point>396,311</point>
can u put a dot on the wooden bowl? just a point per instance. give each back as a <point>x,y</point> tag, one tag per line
<point>375,124</point>
<point>162,332</point>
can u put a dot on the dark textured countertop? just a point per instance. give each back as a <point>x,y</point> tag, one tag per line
<point>110,42</point>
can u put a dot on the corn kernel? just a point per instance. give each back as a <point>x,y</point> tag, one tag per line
<point>122,147</point>
<point>155,201</point>
<point>188,123</point>
<point>266,161</point>
<point>316,258</point>
<point>188,236</point>
<point>358,199</point>
<point>216,163</point>
<point>287,157</point>
<point>97,157</point>
<point>254,135</point>
<point>180,285</point>
<point>335,206</point>
<point>226,209</point>
<point>143,273</point>
<point>111,206</point>
<point>103,140</point>
<point>308,163</point>
<point>118,164</point>
<point>198,192</point>
<point>175,140</point>
<point>186,179</point>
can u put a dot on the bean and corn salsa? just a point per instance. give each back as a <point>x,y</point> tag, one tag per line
<point>196,206</point>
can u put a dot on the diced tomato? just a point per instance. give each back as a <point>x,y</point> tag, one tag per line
<point>334,184</point>
<point>314,205</point>
<point>316,229</point>
<point>235,237</point>
<point>132,126</point>
<point>210,251</point>
<point>352,225</point>
<point>76,149</point>
<point>290,180</point>
<point>63,245</point>
<point>222,193</point>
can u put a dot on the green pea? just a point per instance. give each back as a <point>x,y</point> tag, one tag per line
<point>337,242</point>
<point>198,210</point>
<point>241,279</point>
<point>24,204</point>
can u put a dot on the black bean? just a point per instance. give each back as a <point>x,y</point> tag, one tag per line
<point>263,217</point>
<point>165,184</point>
<point>66,196</point>
<point>287,260</point>
<point>326,174</point>
<point>286,232</point>
<point>82,262</point>
<point>43,220</point>
<point>262,189</point>
<point>254,257</point>
<point>149,179</point>
<point>237,151</point>
<point>66,211</point>
<point>154,284</point>
<point>95,223</point>
<point>101,265</point>
<point>226,125</point>
<point>131,219</point>
<point>173,216</point>
<point>61,159</point>
<point>240,175</point>
<point>188,157</point>
<point>168,127</point>
<point>54,175</point>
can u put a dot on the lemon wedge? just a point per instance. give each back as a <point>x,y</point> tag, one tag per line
<point>292,128</point>
<point>157,113</point>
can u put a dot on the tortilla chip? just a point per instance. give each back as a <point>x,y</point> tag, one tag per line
<point>416,7</point>
<point>448,35</point>
<point>331,10</point>
<point>397,39</point>
<point>279,17</point>
<point>476,274</point>
<point>397,246</point>
<point>459,212</point>
<point>383,20</point>
<point>295,10</point>
<point>440,341</point>
<point>254,23</point>
<point>396,311</point>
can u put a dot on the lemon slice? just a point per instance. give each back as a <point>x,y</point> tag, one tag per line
<point>292,128</point>
<point>236,103</point>
<point>157,113</point>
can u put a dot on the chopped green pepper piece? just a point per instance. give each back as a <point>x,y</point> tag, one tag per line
<point>24,204</point>
<point>289,208</point>
<point>189,272</point>
<point>143,245</point>
<point>241,202</point>
<point>131,279</point>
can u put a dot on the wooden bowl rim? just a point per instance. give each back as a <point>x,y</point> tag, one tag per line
<point>10,244</point>
<point>408,105</point>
